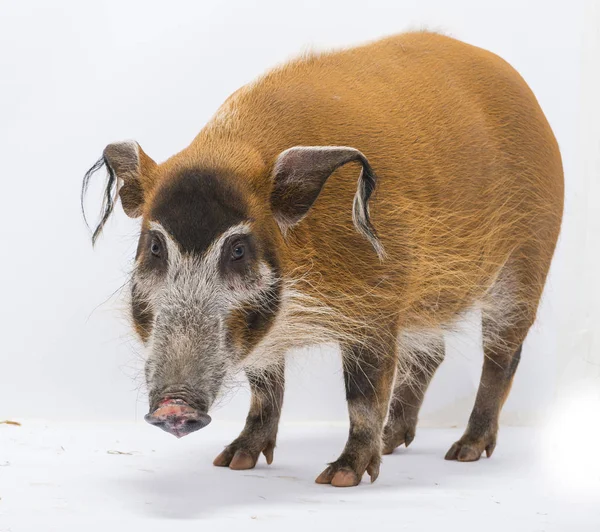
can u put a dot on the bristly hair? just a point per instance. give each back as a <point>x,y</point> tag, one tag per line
<point>110,194</point>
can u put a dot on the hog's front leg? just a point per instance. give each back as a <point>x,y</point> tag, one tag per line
<point>369,370</point>
<point>260,433</point>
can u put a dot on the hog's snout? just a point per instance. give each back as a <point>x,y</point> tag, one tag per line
<point>177,418</point>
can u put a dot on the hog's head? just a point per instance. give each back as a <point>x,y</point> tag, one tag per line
<point>207,282</point>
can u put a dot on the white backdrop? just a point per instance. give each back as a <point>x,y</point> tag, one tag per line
<point>75,76</point>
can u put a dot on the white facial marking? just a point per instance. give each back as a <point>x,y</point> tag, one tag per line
<point>173,252</point>
<point>213,253</point>
<point>194,293</point>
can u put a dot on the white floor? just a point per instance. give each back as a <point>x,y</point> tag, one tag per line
<point>69,477</point>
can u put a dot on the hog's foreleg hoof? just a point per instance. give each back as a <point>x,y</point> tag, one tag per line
<point>244,453</point>
<point>260,432</point>
<point>347,471</point>
<point>397,433</point>
<point>470,450</point>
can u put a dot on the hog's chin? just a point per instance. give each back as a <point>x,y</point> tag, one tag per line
<point>178,418</point>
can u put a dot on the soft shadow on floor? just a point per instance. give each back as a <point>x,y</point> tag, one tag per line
<point>186,490</point>
<point>188,486</point>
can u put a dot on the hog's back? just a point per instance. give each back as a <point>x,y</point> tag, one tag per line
<point>469,170</point>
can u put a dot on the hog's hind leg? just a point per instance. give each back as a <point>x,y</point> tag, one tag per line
<point>506,318</point>
<point>369,369</point>
<point>419,357</point>
<point>482,429</point>
<point>260,432</point>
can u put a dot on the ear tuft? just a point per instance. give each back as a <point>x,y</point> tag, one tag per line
<point>108,199</point>
<point>129,173</point>
<point>360,210</point>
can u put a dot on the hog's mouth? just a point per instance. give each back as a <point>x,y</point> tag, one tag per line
<point>178,418</point>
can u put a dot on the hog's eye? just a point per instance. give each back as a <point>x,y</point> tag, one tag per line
<point>155,248</point>
<point>238,251</point>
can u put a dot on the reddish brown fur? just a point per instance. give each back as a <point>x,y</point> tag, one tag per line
<point>468,207</point>
<point>469,171</point>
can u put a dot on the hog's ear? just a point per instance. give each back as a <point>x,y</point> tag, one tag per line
<point>299,175</point>
<point>131,176</point>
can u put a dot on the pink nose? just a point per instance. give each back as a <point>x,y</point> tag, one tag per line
<point>177,418</point>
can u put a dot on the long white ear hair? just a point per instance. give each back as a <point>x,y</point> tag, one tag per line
<point>360,209</point>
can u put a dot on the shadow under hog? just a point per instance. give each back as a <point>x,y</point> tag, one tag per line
<point>257,238</point>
